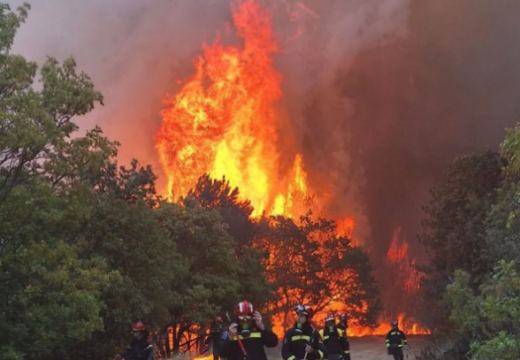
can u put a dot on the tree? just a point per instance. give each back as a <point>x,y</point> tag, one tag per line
<point>209,280</point>
<point>308,263</point>
<point>503,223</point>
<point>218,194</point>
<point>454,228</point>
<point>488,318</point>
<point>473,238</point>
<point>48,286</point>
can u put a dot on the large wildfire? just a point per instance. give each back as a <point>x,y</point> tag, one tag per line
<point>224,121</point>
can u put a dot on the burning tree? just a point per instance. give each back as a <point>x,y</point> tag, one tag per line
<point>304,261</point>
<point>308,262</point>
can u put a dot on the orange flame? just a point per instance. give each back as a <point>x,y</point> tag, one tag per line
<point>345,227</point>
<point>223,121</point>
<point>408,327</point>
<point>399,258</point>
<point>401,263</point>
<point>354,330</point>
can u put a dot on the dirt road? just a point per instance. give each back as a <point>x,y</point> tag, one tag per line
<point>370,348</point>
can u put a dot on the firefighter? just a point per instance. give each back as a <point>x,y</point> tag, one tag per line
<point>214,337</point>
<point>140,347</point>
<point>343,325</point>
<point>395,339</point>
<point>335,340</point>
<point>245,339</point>
<point>303,342</point>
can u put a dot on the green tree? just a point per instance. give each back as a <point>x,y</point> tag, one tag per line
<point>236,216</point>
<point>50,290</point>
<point>218,194</point>
<point>488,319</point>
<point>503,223</point>
<point>454,228</point>
<point>209,281</point>
<point>474,241</point>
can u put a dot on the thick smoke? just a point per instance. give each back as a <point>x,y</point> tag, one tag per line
<point>449,88</point>
<point>320,114</point>
<point>378,95</point>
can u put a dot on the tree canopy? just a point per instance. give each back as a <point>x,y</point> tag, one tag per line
<point>472,235</point>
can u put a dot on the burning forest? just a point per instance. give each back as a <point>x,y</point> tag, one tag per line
<point>285,150</point>
<point>225,121</point>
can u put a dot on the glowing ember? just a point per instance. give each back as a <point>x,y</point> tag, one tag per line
<point>223,121</point>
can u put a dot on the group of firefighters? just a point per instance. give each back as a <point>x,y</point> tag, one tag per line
<point>245,339</point>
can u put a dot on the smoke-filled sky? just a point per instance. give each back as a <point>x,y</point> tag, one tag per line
<point>135,50</point>
<point>379,95</point>
<point>449,88</point>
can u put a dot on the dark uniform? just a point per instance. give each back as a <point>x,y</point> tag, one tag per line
<point>295,341</point>
<point>139,349</point>
<point>395,339</point>
<point>253,344</point>
<point>336,343</point>
<point>214,338</point>
<point>343,325</point>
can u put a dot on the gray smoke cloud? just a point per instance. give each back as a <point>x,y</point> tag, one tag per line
<point>328,46</point>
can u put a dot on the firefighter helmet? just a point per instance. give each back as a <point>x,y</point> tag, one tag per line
<point>244,308</point>
<point>138,326</point>
<point>330,317</point>
<point>305,309</point>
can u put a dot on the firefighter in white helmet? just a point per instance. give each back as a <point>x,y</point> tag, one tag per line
<point>335,340</point>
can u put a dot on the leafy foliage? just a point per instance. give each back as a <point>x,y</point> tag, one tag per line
<point>455,227</point>
<point>488,318</point>
<point>455,223</point>
<point>474,237</point>
<point>303,262</point>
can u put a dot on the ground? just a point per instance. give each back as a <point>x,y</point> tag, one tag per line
<point>369,348</point>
